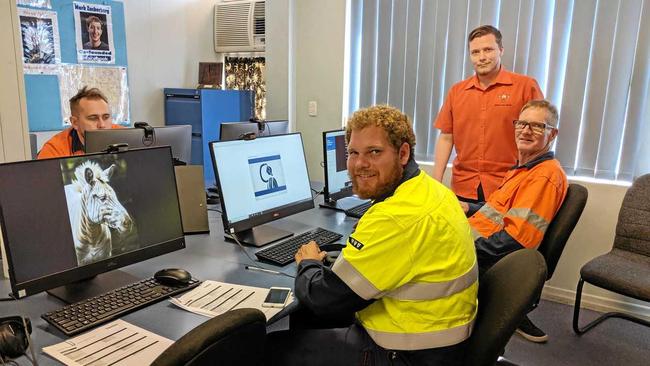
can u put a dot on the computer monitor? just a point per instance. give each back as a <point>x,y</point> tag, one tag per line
<point>261,180</point>
<point>237,130</point>
<point>337,193</point>
<point>178,137</point>
<point>274,127</point>
<point>65,220</point>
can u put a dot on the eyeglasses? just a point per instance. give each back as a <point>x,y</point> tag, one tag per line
<point>535,127</point>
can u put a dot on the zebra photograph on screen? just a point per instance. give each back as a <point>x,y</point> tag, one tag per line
<point>101,225</point>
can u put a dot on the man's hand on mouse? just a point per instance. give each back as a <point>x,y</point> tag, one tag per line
<point>310,250</point>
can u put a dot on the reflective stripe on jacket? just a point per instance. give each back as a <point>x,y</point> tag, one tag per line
<point>525,203</point>
<point>414,254</point>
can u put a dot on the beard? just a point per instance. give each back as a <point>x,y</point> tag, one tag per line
<point>381,186</point>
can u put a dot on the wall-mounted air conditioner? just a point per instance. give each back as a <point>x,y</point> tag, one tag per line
<point>239,26</point>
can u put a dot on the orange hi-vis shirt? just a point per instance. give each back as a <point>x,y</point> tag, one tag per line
<point>64,143</point>
<point>525,202</point>
<point>480,121</point>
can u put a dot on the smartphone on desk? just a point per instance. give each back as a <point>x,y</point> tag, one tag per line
<point>277,297</point>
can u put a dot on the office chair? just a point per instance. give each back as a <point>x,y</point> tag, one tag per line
<point>234,338</point>
<point>562,225</point>
<point>506,293</point>
<point>626,268</point>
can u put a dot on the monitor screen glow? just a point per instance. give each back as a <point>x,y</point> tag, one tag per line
<point>261,180</point>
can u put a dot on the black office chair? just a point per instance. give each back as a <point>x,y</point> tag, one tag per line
<point>234,338</point>
<point>506,293</point>
<point>562,225</point>
<point>626,268</point>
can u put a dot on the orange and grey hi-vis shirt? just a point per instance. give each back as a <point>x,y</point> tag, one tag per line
<point>521,208</point>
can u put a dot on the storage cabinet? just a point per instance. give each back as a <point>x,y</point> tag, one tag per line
<point>205,110</point>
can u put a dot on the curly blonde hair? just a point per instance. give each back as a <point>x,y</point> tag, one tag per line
<point>396,124</point>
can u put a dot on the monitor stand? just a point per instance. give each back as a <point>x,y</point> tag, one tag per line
<point>260,235</point>
<point>91,287</point>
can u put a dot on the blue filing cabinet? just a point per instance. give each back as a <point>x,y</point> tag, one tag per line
<point>205,109</point>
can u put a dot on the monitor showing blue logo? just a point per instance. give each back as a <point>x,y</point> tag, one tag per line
<point>267,176</point>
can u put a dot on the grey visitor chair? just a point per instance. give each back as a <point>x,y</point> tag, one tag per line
<point>506,293</point>
<point>626,268</point>
<point>234,338</point>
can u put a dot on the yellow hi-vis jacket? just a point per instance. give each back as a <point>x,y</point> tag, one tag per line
<point>414,253</point>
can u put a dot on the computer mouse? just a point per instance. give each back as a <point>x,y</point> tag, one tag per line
<point>173,276</point>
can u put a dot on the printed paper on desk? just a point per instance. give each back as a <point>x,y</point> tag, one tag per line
<point>213,298</point>
<point>116,343</point>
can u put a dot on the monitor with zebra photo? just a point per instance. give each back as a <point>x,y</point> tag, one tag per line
<point>68,219</point>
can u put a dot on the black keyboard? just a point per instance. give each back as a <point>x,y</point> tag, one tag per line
<point>283,253</point>
<point>358,211</point>
<point>78,317</point>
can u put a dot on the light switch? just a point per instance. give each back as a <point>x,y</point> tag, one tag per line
<point>313,108</point>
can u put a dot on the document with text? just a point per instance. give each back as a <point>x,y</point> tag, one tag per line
<point>116,343</point>
<point>213,298</point>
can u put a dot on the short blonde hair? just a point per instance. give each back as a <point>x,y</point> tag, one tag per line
<point>396,124</point>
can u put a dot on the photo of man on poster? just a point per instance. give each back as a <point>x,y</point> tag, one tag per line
<point>93,31</point>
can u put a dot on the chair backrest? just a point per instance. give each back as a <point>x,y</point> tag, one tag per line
<point>562,226</point>
<point>506,293</point>
<point>633,227</point>
<point>234,338</point>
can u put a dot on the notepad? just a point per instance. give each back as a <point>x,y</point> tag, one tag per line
<point>116,343</point>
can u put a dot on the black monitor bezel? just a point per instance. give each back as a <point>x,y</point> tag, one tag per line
<point>242,126</point>
<point>266,217</point>
<point>327,195</point>
<point>34,286</point>
<point>269,127</point>
<point>166,131</point>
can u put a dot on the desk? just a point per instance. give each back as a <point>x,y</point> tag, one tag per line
<point>207,257</point>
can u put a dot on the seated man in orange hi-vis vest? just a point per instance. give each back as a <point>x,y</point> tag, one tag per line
<point>89,111</point>
<point>517,214</point>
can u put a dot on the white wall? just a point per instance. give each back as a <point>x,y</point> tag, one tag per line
<point>278,22</point>
<point>166,40</point>
<point>14,144</point>
<point>319,58</point>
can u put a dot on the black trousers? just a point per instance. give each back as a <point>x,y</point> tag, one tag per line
<point>350,345</point>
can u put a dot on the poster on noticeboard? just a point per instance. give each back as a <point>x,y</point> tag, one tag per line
<point>39,33</point>
<point>94,33</point>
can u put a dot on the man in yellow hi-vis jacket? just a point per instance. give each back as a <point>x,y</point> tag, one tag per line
<point>408,272</point>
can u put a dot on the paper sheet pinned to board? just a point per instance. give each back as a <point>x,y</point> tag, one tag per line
<point>213,298</point>
<point>111,81</point>
<point>116,343</point>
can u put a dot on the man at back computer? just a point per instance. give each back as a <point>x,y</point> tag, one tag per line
<point>409,271</point>
<point>89,111</point>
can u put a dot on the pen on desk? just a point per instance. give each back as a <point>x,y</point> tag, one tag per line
<point>253,268</point>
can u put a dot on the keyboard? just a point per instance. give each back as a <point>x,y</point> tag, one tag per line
<point>283,253</point>
<point>78,317</point>
<point>358,211</point>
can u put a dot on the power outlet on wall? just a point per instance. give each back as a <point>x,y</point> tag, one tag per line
<point>312,108</point>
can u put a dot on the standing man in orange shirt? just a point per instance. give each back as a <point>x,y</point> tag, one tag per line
<point>477,118</point>
<point>90,111</point>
